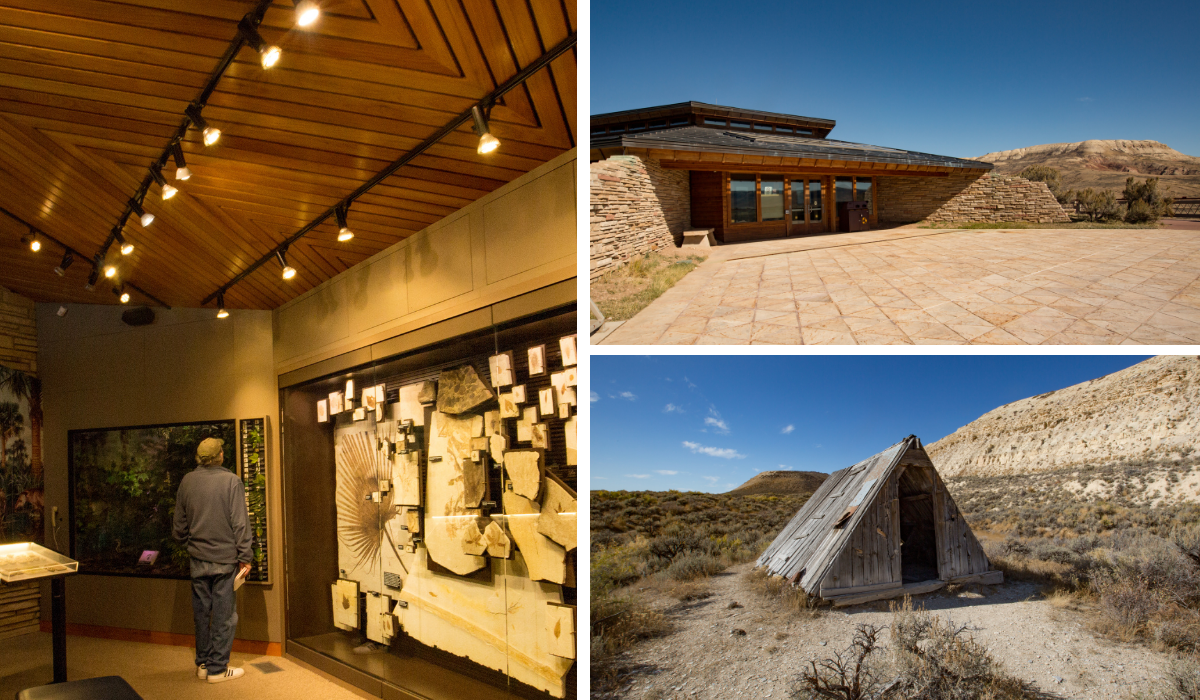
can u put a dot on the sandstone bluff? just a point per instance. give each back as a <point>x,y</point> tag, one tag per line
<point>1146,412</point>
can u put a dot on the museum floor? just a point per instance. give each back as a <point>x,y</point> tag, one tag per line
<point>905,286</point>
<point>159,671</point>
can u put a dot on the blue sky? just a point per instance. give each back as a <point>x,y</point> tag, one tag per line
<point>709,423</point>
<point>951,78</point>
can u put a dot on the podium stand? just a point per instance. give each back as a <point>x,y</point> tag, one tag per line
<point>26,561</point>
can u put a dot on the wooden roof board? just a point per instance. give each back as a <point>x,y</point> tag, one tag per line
<point>809,541</point>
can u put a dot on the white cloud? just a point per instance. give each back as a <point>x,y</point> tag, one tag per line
<point>723,452</point>
<point>672,408</point>
<point>1084,99</point>
<point>595,397</point>
<point>717,423</point>
<point>638,476</point>
<point>728,486</point>
<point>785,467</point>
<point>665,472</point>
<point>628,395</point>
<point>713,479</point>
<point>787,429</point>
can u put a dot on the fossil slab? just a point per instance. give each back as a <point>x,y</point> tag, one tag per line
<point>474,477</point>
<point>539,436</point>
<point>525,469</point>
<point>546,403</point>
<point>446,491</point>
<point>572,440</point>
<point>519,394</point>
<point>545,558</point>
<point>472,540</point>
<point>427,393</point>
<point>501,369</point>
<point>410,406</point>
<point>345,604</point>
<point>378,606</point>
<point>406,477</point>
<point>567,347</point>
<point>537,360</point>
<point>559,519</point>
<point>508,407</point>
<point>361,508</point>
<point>499,544</point>
<point>491,423</point>
<point>498,444</point>
<point>460,390</point>
<point>560,629</point>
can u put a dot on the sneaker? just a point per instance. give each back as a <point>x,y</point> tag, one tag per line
<point>230,674</point>
<point>201,672</point>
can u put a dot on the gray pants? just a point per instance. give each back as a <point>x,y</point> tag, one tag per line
<point>215,609</point>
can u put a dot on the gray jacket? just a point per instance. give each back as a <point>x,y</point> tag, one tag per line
<point>211,517</point>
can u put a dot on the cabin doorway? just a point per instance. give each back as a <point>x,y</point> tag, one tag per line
<point>918,537</point>
<point>806,210</point>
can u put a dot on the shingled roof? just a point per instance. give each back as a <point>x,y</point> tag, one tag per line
<point>715,140</point>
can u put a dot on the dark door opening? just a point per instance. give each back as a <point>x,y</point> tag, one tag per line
<point>918,549</point>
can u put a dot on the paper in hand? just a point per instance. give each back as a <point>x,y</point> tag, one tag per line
<point>240,578</point>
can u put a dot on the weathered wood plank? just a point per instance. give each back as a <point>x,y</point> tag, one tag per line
<point>909,589</point>
<point>990,578</point>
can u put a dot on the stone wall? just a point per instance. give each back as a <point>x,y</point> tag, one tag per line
<point>636,206</point>
<point>965,198</point>
<point>18,332</point>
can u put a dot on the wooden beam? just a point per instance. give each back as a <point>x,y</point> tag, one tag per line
<point>788,170</point>
<point>990,578</point>
<point>828,593</point>
<point>909,589</point>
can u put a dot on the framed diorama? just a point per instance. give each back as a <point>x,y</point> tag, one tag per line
<point>122,484</point>
<point>253,464</point>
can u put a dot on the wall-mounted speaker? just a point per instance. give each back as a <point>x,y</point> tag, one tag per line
<point>141,316</point>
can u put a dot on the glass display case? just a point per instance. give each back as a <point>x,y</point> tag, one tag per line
<point>430,516</point>
<point>22,561</point>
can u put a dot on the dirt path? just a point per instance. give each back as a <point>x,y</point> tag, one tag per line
<point>704,658</point>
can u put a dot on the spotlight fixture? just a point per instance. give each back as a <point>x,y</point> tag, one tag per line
<point>307,12</point>
<point>267,55</point>
<point>487,142</point>
<point>145,217</point>
<point>31,238</point>
<point>92,278</point>
<point>344,232</point>
<point>211,133</point>
<point>221,312</point>
<point>123,295</point>
<point>67,259</point>
<point>110,271</point>
<point>126,246</point>
<point>167,190</point>
<point>181,169</point>
<point>288,271</point>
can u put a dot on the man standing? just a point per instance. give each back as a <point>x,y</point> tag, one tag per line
<point>211,519</point>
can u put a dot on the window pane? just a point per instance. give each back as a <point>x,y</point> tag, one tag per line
<point>784,129</point>
<point>714,122</point>
<point>658,124</point>
<point>739,125</point>
<point>804,132</point>
<point>741,199</point>
<point>843,188</point>
<point>798,201</point>
<point>772,200</point>
<point>679,121</point>
<point>763,127</point>
<point>862,193</point>
<point>814,200</point>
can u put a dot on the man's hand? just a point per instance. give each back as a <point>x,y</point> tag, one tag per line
<point>243,569</point>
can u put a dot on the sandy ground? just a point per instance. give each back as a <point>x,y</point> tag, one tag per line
<point>704,658</point>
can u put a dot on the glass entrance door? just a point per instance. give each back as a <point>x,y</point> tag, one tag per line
<point>807,213</point>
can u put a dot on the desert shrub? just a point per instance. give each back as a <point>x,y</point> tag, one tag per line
<point>849,675</point>
<point>691,566</point>
<point>934,659</point>
<point>613,567</point>
<point>781,593</point>
<point>671,546</point>
<point>1098,205</point>
<point>1187,539</point>
<point>1145,202</point>
<point>1053,179</point>
<point>617,624</point>
<point>1183,677</point>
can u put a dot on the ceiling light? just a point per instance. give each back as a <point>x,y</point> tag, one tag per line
<point>221,312</point>
<point>181,169</point>
<point>126,246</point>
<point>121,294</point>
<point>487,142</point>
<point>211,134</point>
<point>167,190</point>
<point>307,12</point>
<point>267,55</point>
<point>67,259</point>
<point>110,271</point>
<point>145,217</point>
<point>288,271</point>
<point>344,232</point>
<point>35,243</point>
<point>92,277</point>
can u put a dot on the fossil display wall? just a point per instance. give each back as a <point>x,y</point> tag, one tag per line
<point>456,516</point>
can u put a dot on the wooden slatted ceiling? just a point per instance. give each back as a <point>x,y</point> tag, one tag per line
<point>92,90</point>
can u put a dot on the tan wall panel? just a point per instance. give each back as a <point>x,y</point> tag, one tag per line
<point>532,226</point>
<point>513,241</point>
<point>187,366</point>
<point>439,266</point>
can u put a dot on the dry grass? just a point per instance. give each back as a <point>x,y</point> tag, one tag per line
<point>624,292</point>
<point>784,596</point>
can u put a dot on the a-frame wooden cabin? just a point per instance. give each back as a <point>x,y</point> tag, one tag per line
<point>882,528</point>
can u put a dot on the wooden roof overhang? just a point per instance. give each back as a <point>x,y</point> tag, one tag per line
<point>91,91</point>
<point>701,110</point>
<point>702,148</point>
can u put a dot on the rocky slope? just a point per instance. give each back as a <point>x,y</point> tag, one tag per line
<point>780,483</point>
<point>1146,413</point>
<point>1106,164</point>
